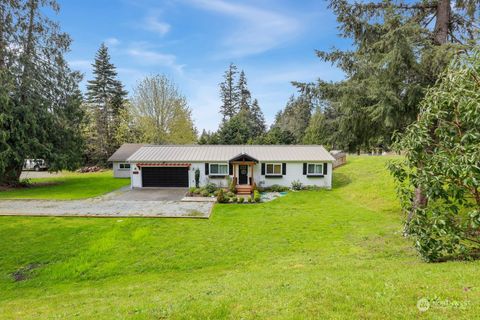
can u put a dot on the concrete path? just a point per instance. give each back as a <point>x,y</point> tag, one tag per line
<point>106,208</point>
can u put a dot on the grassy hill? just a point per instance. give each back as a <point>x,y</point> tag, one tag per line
<point>314,254</point>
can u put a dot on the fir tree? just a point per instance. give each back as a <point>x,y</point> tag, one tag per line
<point>39,115</point>
<point>106,97</point>
<point>295,117</point>
<point>257,118</point>
<point>229,93</point>
<point>245,97</point>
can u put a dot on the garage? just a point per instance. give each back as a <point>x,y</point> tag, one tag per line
<point>165,177</point>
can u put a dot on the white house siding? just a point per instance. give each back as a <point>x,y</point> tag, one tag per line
<point>120,173</point>
<point>294,173</point>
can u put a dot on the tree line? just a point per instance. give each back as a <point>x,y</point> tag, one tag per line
<point>243,121</point>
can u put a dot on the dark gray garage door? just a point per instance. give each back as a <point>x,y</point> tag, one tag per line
<point>165,176</point>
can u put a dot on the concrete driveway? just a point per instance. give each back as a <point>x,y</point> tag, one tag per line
<point>148,194</point>
<point>121,203</point>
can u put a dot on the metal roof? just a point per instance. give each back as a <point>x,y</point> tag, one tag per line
<point>223,153</point>
<point>125,151</point>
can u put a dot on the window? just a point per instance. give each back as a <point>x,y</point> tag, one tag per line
<point>315,169</point>
<point>218,169</point>
<point>274,169</point>
<point>125,166</point>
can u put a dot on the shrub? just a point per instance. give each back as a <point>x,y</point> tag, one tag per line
<point>197,177</point>
<point>234,199</point>
<point>250,199</point>
<point>191,190</point>
<point>231,187</point>
<point>216,192</point>
<point>230,194</point>
<point>211,187</point>
<point>256,196</point>
<point>221,196</point>
<point>297,185</point>
<point>204,193</point>
<point>241,199</point>
<point>277,188</point>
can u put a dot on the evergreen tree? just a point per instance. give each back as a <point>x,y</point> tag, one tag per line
<point>229,93</point>
<point>295,117</point>
<point>257,119</point>
<point>236,130</point>
<point>245,97</point>
<point>399,50</point>
<point>106,97</point>
<point>277,136</point>
<point>39,112</point>
<point>317,131</point>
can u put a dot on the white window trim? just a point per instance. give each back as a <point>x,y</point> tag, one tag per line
<point>124,169</point>
<point>217,174</point>
<point>315,174</point>
<point>274,164</point>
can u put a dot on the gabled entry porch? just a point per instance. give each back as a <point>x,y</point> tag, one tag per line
<point>243,167</point>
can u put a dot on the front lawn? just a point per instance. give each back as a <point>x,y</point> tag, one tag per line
<point>309,255</point>
<point>70,185</point>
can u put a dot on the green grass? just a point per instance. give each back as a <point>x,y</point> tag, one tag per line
<point>68,186</point>
<point>309,255</point>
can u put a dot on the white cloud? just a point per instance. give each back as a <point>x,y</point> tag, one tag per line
<point>152,23</point>
<point>148,56</point>
<point>112,42</point>
<point>259,29</point>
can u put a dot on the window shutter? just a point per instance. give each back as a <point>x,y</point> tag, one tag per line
<point>230,169</point>
<point>284,168</point>
<point>206,169</point>
<point>325,166</point>
<point>304,169</point>
<point>263,169</point>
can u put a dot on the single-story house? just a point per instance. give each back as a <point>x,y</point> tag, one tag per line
<point>245,165</point>
<point>121,168</point>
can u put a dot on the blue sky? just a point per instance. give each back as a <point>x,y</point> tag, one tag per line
<point>193,41</point>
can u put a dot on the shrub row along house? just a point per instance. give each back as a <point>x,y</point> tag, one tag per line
<point>244,165</point>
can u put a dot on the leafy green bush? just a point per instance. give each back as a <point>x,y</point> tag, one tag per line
<point>230,194</point>
<point>211,187</point>
<point>256,196</point>
<point>276,188</point>
<point>250,199</point>
<point>438,176</point>
<point>234,199</point>
<point>216,192</point>
<point>241,199</point>
<point>221,196</point>
<point>204,193</point>
<point>297,185</point>
<point>191,190</point>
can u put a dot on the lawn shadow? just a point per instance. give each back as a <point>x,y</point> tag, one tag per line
<point>340,180</point>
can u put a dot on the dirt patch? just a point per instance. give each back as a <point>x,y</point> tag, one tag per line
<point>24,273</point>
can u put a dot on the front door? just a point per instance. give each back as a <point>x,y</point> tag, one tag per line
<point>242,174</point>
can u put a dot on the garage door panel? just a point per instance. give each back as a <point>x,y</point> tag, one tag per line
<point>165,176</point>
